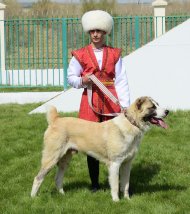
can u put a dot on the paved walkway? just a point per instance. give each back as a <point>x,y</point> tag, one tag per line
<point>64,101</point>
<point>26,97</point>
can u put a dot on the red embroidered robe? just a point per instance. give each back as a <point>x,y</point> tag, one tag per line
<point>106,75</point>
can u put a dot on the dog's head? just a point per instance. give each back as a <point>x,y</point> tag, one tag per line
<point>147,112</point>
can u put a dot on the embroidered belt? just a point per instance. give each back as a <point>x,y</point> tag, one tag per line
<point>108,83</point>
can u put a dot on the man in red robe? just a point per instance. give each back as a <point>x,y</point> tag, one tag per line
<point>106,64</point>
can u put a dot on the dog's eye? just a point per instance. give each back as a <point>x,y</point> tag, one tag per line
<point>152,107</point>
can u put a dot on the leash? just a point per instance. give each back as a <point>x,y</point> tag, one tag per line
<point>102,87</point>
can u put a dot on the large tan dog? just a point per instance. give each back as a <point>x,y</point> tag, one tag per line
<point>114,142</point>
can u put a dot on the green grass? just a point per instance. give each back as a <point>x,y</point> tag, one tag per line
<point>30,89</point>
<point>159,179</point>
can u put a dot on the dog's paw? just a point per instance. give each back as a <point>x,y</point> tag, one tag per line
<point>61,191</point>
<point>32,195</point>
<point>127,197</point>
<point>33,192</point>
<point>115,199</point>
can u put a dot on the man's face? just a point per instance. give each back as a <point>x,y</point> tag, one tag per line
<point>97,36</point>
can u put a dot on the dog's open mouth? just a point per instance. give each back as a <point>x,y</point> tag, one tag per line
<point>158,122</point>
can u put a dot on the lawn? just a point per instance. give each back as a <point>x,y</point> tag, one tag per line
<point>29,89</point>
<point>160,177</point>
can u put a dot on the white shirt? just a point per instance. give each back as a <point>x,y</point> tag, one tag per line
<point>121,82</point>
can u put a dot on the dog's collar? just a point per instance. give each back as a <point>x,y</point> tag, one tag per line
<point>131,120</point>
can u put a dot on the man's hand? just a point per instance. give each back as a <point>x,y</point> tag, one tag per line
<point>86,81</point>
<point>124,110</point>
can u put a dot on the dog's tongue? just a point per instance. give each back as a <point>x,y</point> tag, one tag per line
<point>159,122</point>
<point>162,124</point>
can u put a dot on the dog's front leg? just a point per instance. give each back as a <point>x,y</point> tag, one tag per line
<point>114,180</point>
<point>124,178</point>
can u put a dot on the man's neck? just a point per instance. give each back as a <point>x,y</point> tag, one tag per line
<point>97,45</point>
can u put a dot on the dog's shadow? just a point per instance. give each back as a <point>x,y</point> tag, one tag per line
<point>141,177</point>
<point>77,185</point>
<point>140,181</point>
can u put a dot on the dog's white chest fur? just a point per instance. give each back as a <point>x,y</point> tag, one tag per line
<point>130,140</point>
<point>132,148</point>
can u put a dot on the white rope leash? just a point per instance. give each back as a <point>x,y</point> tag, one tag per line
<point>102,87</point>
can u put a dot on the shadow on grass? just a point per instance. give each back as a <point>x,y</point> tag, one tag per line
<point>70,187</point>
<point>141,176</point>
<point>76,185</point>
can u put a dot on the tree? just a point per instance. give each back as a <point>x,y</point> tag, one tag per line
<point>43,8</point>
<point>13,8</point>
<point>107,5</point>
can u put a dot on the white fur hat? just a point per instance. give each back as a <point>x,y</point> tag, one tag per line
<point>97,19</point>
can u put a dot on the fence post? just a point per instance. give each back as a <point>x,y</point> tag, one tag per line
<point>65,51</point>
<point>159,17</point>
<point>137,32</point>
<point>2,38</point>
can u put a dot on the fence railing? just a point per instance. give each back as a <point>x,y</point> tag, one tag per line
<point>37,51</point>
<point>45,43</point>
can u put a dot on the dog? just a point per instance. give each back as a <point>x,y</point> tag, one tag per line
<point>114,142</point>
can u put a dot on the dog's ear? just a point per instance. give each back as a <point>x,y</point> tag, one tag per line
<point>139,102</point>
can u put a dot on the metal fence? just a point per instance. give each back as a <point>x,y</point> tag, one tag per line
<point>37,51</point>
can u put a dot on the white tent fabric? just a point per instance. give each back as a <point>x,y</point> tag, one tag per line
<point>67,101</point>
<point>161,69</point>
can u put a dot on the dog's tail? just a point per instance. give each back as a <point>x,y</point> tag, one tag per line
<point>52,114</point>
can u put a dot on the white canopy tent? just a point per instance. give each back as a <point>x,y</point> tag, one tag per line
<point>161,69</point>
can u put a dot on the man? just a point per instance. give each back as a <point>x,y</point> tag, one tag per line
<point>106,64</point>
